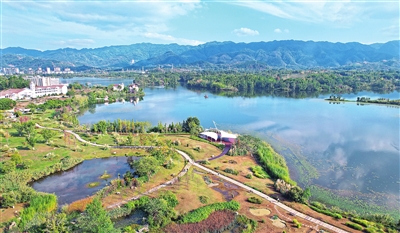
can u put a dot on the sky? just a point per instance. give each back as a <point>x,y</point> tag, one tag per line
<point>53,24</point>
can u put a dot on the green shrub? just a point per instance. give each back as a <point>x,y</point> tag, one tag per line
<point>354,226</point>
<point>254,200</point>
<point>202,213</point>
<point>296,223</point>
<point>249,176</point>
<point>327,212</point>
<point>231,171</point>
<point>170,197</point>
<point>361,222</point>
<point>259,172</point>
<point>203,199</point>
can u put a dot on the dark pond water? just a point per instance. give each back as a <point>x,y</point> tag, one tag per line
<point>352,147</point>
<point>71,185</point>
<point>137,217</point>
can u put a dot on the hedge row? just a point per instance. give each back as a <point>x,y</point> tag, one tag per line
<point>354,226</point>
<point>327,212</point>
<point>259,172</point>
<point>202,213</point>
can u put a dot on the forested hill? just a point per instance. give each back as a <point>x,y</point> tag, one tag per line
<point>274,54</point>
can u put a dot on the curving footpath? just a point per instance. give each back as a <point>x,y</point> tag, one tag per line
<point>281,205</point>
<point>186,168</point>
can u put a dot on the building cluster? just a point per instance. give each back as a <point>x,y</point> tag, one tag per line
<point>39,86</point>
<point>48,70</point>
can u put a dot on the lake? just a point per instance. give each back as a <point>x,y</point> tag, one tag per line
<point>337,146</point>
<point>71,185</point>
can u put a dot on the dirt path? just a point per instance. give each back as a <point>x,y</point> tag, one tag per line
<point>190,163</point>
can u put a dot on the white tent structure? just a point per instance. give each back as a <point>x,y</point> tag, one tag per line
<point>208,134</point>
<point>227,135</point>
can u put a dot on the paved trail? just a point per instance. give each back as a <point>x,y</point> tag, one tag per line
<point>281,205</point>
<point>190,163</point>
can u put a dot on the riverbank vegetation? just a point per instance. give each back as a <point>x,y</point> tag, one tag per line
<point>24,161</point>
<point>336,81</point>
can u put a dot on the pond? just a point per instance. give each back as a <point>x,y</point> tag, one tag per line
<point>72,185</point>
<point>336,146</point>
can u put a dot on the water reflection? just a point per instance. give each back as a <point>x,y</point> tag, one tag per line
<point>352,147</point>
<point>72,185</point>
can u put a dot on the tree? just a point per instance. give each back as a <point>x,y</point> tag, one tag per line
<point>6,104</point>
<point>7,166</point>
<point>17,158</point>
<point>146,166</point>
<point>170,197</point>
<point>102,126</point>
<point>8,199</point>
<point>95,219</point>
<point>48,134</point>
<point>56,223</point>
<point>19,127</point>
<point>31,139</point>
<point>159,213</point>
<point>130,139</point>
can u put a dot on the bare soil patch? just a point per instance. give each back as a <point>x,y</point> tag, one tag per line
<point>260,212</point>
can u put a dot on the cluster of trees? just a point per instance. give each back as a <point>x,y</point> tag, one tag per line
<point>27,129</point>
<point>6,104</point>
<point>378,101</point>
<point>333,81</point>
<point>120,126</point>
<point>13,82</point>
<point>149,165</point>
<point>190,125</point>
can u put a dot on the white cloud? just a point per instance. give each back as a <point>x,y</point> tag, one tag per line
<point>118,22</point>
<point>278,30</point>
<point>75,43</point>
<point>171,39</point>
<point>392,31</point>
<point>336,12</point>
<point>245,32</point>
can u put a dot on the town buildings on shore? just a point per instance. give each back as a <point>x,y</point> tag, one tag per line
<point>39,86</point>
<point>39,70</point>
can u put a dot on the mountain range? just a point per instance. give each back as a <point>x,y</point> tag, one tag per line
<point>274,54</point>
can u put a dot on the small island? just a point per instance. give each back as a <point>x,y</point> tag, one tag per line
<point>365,100</point>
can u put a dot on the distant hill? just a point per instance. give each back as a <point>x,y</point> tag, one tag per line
<point>278,54</point>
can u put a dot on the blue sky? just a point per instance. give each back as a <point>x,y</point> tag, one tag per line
<point>90,24</point>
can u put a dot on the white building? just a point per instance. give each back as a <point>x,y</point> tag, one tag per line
<point>118,87</point>
<point>34,91</point>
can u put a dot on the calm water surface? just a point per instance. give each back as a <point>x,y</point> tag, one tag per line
<point>352,147</point>
<point>71,185</point>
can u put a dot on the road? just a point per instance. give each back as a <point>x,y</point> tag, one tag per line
<point>191,162</point>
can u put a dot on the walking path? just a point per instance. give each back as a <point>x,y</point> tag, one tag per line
<point>190,163</point>
<point>226,149</point>
<point>281,205</point>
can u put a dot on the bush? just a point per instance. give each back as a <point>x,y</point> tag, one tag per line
<point>249,176</point>
<point>296,223</point>
<point>254,200</point>
<point>259,172</point>
<point>354,226</point>
<point>202,213</point>
<point>362,222</point>
<point>203,199</point>
<point>327,212</point>
<point>170,197</point>
<point>231,171</point>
